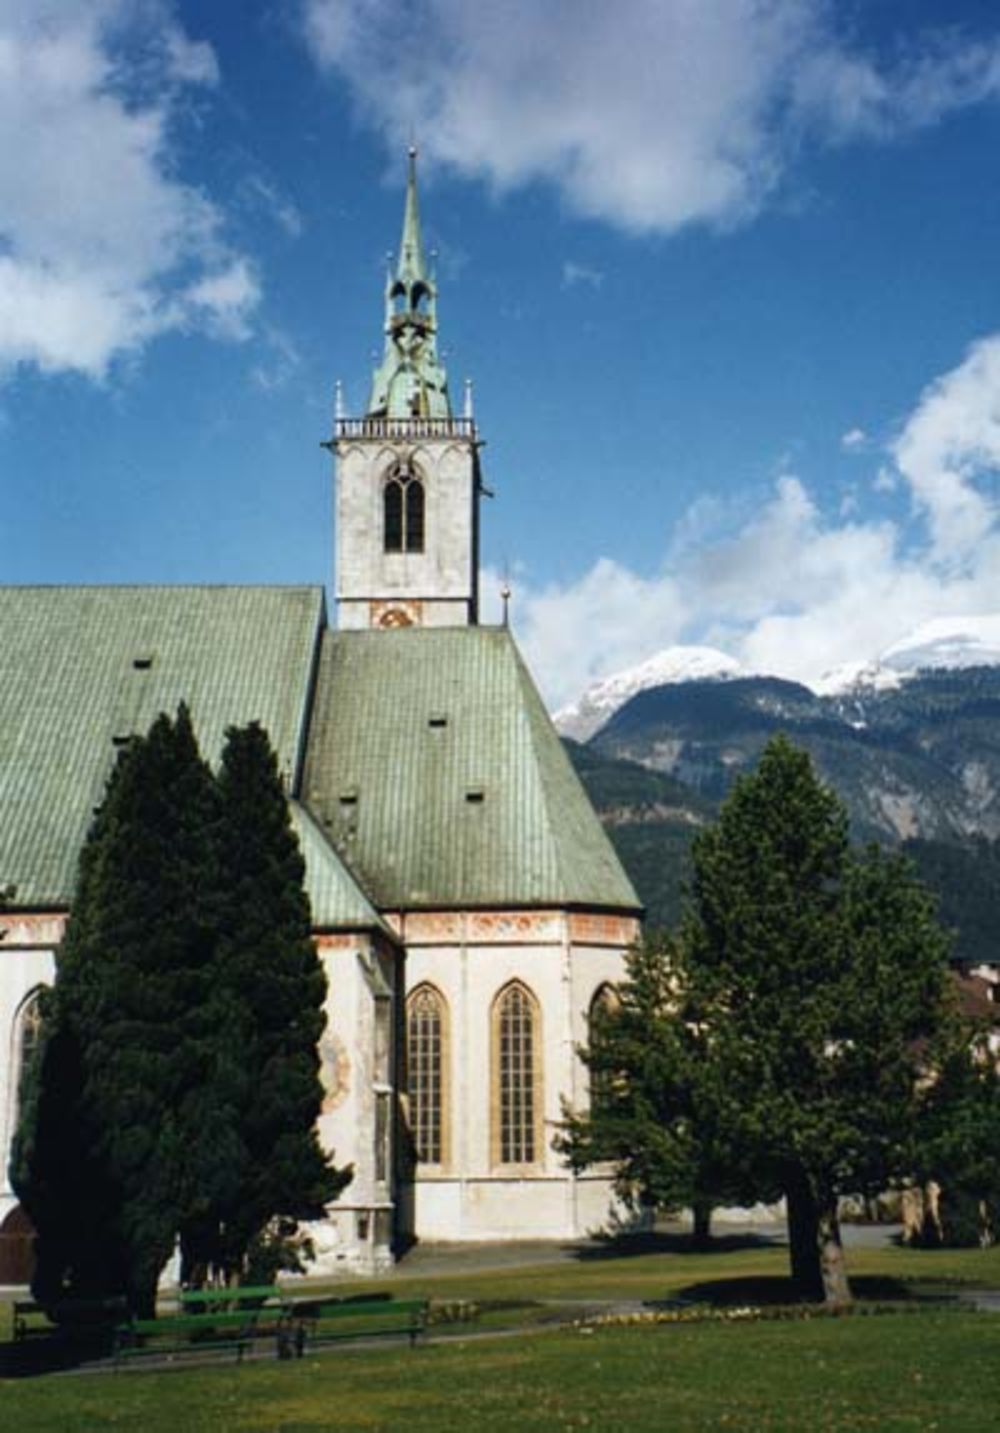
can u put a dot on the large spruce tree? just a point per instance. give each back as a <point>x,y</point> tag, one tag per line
<point>813,980</point>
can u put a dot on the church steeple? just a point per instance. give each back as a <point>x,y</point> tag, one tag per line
<point>407,472</point>
<point>410,382</point>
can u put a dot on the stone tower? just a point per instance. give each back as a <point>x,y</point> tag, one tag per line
<point>407,472</point>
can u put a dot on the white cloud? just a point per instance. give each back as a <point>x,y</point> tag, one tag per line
<point>848,96</point>
<point>258,193</point>
<point>949,453</point>
<point>650,114</point>
<point>789,589</point>
<point>222,301</point>
<point>102,246</point>
<point>281,358</point>
<point>853,439</point>
<point>574,273</point>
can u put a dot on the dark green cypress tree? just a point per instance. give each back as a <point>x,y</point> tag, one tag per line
<point>102,1157</point>
<point>267,1002</point>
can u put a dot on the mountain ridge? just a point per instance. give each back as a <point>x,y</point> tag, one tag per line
<point>942,643</point>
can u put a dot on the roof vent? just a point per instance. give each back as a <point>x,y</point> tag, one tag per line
<point>437,721</point>
<point>142,664</point>
<point>121,740</point>
<point>475,796</point>
<point>348,798</point>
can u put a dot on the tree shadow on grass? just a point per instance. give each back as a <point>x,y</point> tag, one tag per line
<point>624,1246</point>
<point>764,1290</point>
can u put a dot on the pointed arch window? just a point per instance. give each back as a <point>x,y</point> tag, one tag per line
<point>427,1068</point>
<point>517,1077</point>
<point>403,501</point>
<point>26,1034</point>
<point>606,1001</point>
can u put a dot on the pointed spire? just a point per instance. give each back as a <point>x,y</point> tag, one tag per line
<point>410,382</point>
<point>412,267</point>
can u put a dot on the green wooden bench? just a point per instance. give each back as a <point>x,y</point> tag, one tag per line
<point>317,1321</point>
<point>26,1316</point>
<point>203,1332</point>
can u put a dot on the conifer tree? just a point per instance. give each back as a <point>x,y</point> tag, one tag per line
<point>812,981</point>
<point>658,1094</point>
<point>959,1143</point>
<point>101,1159</point>
<point>267,1001</point>
<point>822,975</point>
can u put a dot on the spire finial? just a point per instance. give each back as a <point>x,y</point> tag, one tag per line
<point>411,266</point>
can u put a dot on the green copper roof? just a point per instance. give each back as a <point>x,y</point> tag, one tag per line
<point>80,667</point>
<point>336,900</point>
<point>432,774</point>
<point>435,768</point>
<point>410,382</point>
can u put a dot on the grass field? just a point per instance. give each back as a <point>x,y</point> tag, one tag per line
<point>923,1370</point>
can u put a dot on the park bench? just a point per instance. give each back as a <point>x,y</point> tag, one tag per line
<point>209,1321</point>
<point>27,1316</point>
<point>185,1333</point>
<point>317,1321</point>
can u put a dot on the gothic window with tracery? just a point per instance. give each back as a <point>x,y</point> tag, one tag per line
<point>403,512</point>
<point>517,1076</point>
<point>605,1002</point>
<point>27,1032</point>
<point>427,1055</point>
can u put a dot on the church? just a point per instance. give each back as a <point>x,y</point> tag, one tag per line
<point>467,907</point>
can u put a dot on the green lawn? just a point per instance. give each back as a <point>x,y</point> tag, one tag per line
<point>899,1370</point>
<point>895,1371</point>
<point>608,1273</point>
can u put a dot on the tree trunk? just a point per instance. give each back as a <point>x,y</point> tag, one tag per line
<point>803,1236</point>
<point>836,1289</point>
<point>701,1233</point>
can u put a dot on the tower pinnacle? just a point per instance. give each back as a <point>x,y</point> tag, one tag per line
<point>410,382</point>
<point>411,268</point>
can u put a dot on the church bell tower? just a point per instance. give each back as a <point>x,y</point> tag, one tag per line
<point>407,473</point>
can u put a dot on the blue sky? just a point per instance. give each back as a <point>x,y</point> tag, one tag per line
<point>725,276</point>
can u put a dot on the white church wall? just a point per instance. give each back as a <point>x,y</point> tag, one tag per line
<point>358,1071</point>
<point>433,586</point>
<point>471,1195</point>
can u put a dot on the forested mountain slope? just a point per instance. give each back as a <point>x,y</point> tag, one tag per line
<point>917,764</point>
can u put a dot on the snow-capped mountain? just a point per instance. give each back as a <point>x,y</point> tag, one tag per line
<point>673,664</point>
<point>941,643</point>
